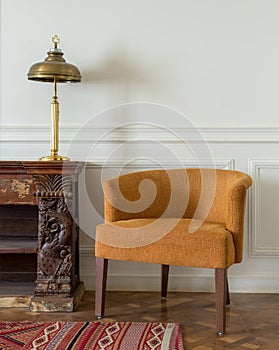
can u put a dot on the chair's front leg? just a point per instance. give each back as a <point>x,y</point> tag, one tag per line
<point>101,282</point>
<point>221,298</point>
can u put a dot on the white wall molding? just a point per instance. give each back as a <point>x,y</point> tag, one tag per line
<point>86,251</point>
<point>140,163</point>
<point>137,132</point>
<point>257,246</point>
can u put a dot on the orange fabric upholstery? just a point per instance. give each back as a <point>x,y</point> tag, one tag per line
<point>210,246</point>
<point>188,217</point>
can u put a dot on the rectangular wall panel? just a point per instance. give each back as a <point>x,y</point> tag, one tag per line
<point>264,205</point>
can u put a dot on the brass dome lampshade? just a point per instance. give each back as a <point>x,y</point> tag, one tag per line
<point>54,69</point>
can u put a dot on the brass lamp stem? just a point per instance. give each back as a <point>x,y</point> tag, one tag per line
<point>54,136</point>
<point>54,133</point>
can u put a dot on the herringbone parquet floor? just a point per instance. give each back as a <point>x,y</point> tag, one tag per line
<point>253,319</point>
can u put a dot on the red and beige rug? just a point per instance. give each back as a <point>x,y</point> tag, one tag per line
<point>89,335</point>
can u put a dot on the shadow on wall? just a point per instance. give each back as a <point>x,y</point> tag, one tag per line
<point>117,68</point>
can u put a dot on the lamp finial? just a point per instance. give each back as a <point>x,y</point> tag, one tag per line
<point>55,40</point>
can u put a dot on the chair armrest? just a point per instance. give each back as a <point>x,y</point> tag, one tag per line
<point>236,203</point>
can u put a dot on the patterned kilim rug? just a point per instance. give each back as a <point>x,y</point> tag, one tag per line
<point>89,335</point>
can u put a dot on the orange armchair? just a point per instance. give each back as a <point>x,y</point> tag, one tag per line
<point>182,217</point>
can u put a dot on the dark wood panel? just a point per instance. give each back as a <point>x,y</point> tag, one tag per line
<point>35,167</point>
<point>10,288</point>
<point>18,228</point>
<point>18,276</point>
<point>11,262</point>
<point>18,222</point>
<point>12,167</point>
<point>18,211</point>
<point>18,246</point>
<point>18,267</point>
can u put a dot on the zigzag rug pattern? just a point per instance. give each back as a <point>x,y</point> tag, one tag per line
<point>89,335</point>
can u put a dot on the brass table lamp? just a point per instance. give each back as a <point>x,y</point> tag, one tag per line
<point>54,69</point>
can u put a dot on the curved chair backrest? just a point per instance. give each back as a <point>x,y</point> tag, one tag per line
<point>205,194</point>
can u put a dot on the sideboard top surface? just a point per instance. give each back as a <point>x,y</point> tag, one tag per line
<point>40,167</point>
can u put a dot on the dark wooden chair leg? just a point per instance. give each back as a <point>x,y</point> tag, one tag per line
<point>228,300</point>
<point>221,296</point>
<point>101,282</point>
<point>164,280</point>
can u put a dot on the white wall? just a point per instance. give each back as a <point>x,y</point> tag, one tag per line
<point>206,73</point>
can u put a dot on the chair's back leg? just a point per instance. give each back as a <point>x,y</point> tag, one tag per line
<point>164,281</point>
<point>221,296</point>
<point>228,300</point>
<point>101,282</point>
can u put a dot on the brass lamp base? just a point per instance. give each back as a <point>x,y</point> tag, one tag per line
<point>53,157</point>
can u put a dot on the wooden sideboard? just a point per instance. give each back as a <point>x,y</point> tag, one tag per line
<point>39,237</point>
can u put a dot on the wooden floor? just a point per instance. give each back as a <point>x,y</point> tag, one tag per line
<point>253,319</point>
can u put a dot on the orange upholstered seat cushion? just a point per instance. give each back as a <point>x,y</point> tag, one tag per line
<point>170,241</point>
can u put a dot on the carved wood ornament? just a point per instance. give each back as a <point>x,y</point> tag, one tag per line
<point>54,234</point>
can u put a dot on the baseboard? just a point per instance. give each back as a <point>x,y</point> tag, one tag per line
<point>146,277</point>
<point>239,283</point>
